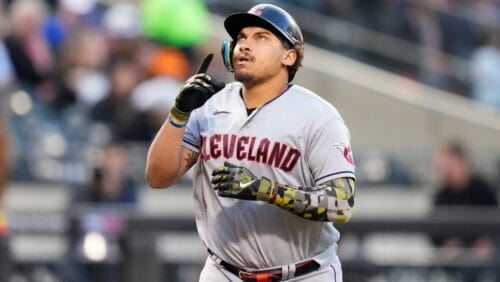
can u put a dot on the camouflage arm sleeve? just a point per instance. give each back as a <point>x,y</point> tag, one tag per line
<point>331,201</point>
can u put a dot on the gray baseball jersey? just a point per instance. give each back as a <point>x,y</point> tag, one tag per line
<point>298,139</point>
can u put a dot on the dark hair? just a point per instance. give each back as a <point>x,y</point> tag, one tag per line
<point>456,148</point>
<point>299,49</point>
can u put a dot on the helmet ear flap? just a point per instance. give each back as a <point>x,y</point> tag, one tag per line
<point>227,54</point>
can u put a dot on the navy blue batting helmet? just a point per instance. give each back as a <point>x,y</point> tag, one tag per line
<point>267,16</point>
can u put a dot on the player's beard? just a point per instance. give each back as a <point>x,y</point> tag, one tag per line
<point>249,78</point>
<point>244,77</point>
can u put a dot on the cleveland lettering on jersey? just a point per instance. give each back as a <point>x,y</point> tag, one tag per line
<point>251,148</point>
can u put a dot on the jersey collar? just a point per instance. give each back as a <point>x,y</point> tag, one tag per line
<point>270,101</point>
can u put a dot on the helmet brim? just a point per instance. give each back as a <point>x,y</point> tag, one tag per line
<point>234,23</point>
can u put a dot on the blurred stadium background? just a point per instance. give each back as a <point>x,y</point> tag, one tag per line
<point>84,85</point>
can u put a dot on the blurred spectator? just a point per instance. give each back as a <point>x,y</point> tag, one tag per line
<point>4,170</point>
<point>167,67</point>
<point>425,22</point>
<point>338,9</point>
<point>461,187</point>
<point>62,22</point>
<point>111,182</point>
<point>122,26</point>
<point>380,15</point>
<point>485,12</point>
<point>458,31</point>
<point>79,7</point>
<point>27,48</point>
<point>80,77</point>
<point>122,20</point>
<point>6,68</point>
<point>485,69</point>
<point>116,110</point>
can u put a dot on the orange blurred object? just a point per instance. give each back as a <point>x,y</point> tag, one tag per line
<point>3,224</point>
<point>170,62</point>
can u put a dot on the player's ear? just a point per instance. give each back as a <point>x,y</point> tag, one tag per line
<point>289,57</point>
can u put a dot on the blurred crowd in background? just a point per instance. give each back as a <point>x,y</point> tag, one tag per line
<point>77,76</point>
<point>450,35</point>
<point>80,78</point>
<point>84,85</point>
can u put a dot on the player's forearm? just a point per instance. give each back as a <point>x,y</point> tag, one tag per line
<point>332,201</point>
<point>164,160</point>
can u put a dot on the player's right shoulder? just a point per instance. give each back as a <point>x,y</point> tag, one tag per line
<point>229,89</point>
<point>225,97</point>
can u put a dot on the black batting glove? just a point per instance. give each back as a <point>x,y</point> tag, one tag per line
<point>238,182</point>
<point>194,93</point>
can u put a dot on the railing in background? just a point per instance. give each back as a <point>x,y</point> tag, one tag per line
<point>137,257</point>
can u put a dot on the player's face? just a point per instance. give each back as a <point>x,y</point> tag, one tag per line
<point>259,55</point>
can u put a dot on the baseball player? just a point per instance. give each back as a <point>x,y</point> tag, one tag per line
<point>272,162</point>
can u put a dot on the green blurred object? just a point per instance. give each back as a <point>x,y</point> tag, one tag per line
<point>178,23</point>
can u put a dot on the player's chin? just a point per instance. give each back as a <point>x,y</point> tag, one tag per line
<point>243,75</point>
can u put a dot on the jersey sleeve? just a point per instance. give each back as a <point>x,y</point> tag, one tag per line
<point>191,139</point>
<point>329,155</point>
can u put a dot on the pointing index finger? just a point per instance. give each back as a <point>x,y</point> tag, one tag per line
<point>206,63</point>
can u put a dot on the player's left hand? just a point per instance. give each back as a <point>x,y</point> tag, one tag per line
<point>238,182</point>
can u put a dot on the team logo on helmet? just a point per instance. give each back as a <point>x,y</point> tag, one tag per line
<point>257,12</point>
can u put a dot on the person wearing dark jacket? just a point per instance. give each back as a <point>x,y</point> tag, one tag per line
<point>461,188</point>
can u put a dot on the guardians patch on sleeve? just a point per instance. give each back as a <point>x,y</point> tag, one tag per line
<point>345,150</point>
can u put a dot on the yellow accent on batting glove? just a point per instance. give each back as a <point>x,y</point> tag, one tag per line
<point>240,183</point>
